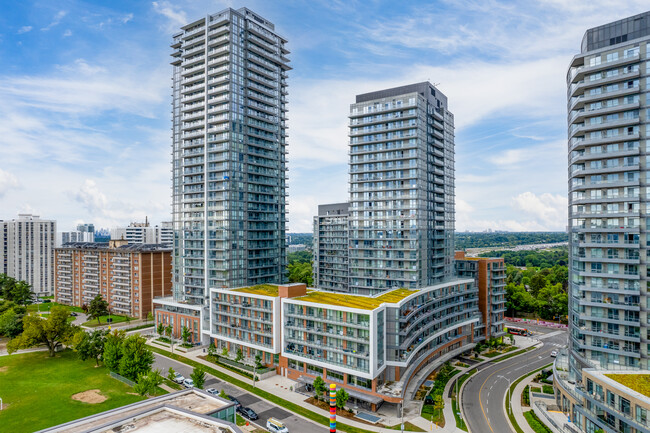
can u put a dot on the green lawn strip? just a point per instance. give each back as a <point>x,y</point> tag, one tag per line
<point>460,423</point>
<point>511,416</point>
<point>535,423</point>
<point>33,308</point>
<point>407,427</point>
<point>285,404</point>
<point>102,321</point>
<point>547,389</point>
<point>36,390</point>
<point>172,384</point>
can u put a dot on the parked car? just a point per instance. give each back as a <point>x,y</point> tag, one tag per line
<point>188,383</point>
<point>554,354</point>
<point>73,314</point>
<point>234,400</point>
<point>249,413</point>
<point>428,399</point>
<point>275,426</point>
<point>178,378</point>
<point>212,391</point>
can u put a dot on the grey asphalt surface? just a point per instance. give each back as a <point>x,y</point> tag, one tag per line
<point>264,409</point>
<point>483,394</point>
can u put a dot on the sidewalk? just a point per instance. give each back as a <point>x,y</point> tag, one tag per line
<point>517,408</point>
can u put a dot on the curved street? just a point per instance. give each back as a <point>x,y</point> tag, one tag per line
<point>483,395</point>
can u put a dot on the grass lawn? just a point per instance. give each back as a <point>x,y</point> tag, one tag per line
<point>534,423</point>
<point>102,321</point>
<point>407,427</point>
<point>47,306</point>
<point>36,390</point>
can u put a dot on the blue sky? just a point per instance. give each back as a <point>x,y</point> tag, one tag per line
<point>85,91</point>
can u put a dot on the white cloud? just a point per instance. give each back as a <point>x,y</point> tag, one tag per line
<point>7,182</point>
<point>91,197</point>
<point>549,210</point>
<point>67,33</point>
<point>55,21</point>
<point>24,29</point>
<point>176,17</point>
<point>126,18</point>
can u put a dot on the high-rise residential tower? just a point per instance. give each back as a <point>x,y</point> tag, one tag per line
<point>27,251</point>
<point>330,247</point>
<point>229,145</point>
<point>229,168</point>
<point>401,189</point>
<point>608,220</point>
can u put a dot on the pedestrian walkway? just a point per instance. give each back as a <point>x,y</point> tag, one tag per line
<point>517,408</point>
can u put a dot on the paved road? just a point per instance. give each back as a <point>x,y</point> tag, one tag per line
<point>264,409</point>
<point>483,395</point>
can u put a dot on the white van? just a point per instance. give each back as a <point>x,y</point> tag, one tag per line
<point>275,426</point>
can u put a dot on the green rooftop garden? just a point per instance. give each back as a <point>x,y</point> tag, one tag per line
<point>260,289</point>
<point>636,382</point>
<point>356,301</point>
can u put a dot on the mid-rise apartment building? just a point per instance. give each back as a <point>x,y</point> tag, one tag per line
<point>371,345</point>
<point>27,251</point>
<point>401,189</point>
<point>489,275</point>
<point>229,105</point>
<point>330,247</point>
<point>608,221</point>
<point>144,233</point>
<point>129,277</point>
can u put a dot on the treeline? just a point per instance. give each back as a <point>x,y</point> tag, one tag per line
<point>301,238</point>
<point>483,240</point>
<point>541,291</point>
<point>299,268</point>
<point>537,258</point>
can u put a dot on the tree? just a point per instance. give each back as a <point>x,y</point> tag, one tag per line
<point>258,361</point>
<point>223,394</point>
<point>11,321</point>
<point>90,345</point>
<point>149,317</point>
<point>319,386</point>
<point>136,357</point>
<point>198,377</point>
<point>438,404</point>
<point>185,334</point>
<point>147,382</point>
<point>98,307</point>
<point>171,374</point>
<point>22,293</point>
<point>342,398</point>
<point>300,273</point>
<point>168,333</point>
<point>54,331</point>
<point>7,284</point>
<point>240,355</point>
<point>225,352</point>
<point>212,351</point>
<point>113,350</point>
<point>161,329</point>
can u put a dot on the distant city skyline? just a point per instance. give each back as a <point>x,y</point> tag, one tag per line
<point>85,136</point>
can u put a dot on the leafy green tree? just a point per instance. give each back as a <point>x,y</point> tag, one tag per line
<point>147,382</point>
<point>7,284</point>
<point>169,332</point>
<point>54,331</point>
<point>136,357</point>
<point>198,377</point>
<point>299,257</point>
<point>149,317</point>
<point>161,329</point>
<point>300,273</point>
<point>258,361</point>
<point>90,345</point>
<point>11,321</point>
<point>185,334</point>
<point>223,394</point>
<point>113,350</point>
<point>225,352</point>
<point>240,355</point>
<point>22,293</point>
<point>98,307</point>
<point>342,398</point>
<point>212,351</point>
<point>319,386</point>
<point>438,404</point>
<point>171,374</point>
